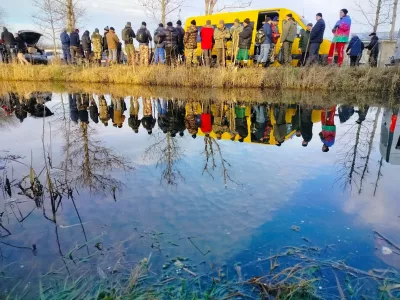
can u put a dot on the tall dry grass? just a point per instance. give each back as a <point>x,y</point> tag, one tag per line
<point>314,78</point>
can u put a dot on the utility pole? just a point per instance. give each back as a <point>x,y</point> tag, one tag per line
<point>394,18</point>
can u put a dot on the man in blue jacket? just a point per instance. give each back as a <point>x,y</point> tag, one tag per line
<point>266,45</point>
<point>316,39</point>
<point>75,45</point>
<point>65,43</point>
<point>354,49</point>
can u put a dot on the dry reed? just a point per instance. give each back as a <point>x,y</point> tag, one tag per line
<point>315,78</point>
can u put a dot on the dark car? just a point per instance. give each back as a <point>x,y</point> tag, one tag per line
<point>35,55</point>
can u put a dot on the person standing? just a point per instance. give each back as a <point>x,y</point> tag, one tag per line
<point>245,42</point>
<point>159,41</point>
<point>103,111</point>
<point>133,120</point>
<point>65,44</point>
<point>180,46</point>
<point>143,36</point>
<point>21,50</point>
<point>275,37</point>
<point>341,32</point>
<point>97,46</point>
<point>206,35</point>
<point>87,46</point>
<point>148,121</point>
<point>354,49</point>
<point>266,44</point>
<point>234,32</point>
<point>304,44</point>
<point>288,36</point>
<point>171,43</point>
<point>328,133</point>
<point>373,48</point>
<point>112,42</point>
<point>9,41</point>
<point>191,45</point>
<point>221,34</point>
<point>75,45</point>
<point>316,39</point>
<point>105,44</point>
<point>127,36</point>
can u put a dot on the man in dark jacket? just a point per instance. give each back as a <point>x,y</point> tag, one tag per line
<point>304,44</point>
<point>316,39</point>
<point>105,44</point>
<point>86,45</point>
<point>75,45</point>
<point>143,36</point>
<point>373,48</point>
<point>9,41</point>
<point>266,45</point>
<point>127,36</point>
<point>159,41</point>
<point>245,42</point>
<point>354,49</point>
<point>171,44</point>
<point>65,44</point>
<point>181,36</point>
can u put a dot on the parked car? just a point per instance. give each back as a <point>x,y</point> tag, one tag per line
<point>35,55</point>
<point>51,55</point>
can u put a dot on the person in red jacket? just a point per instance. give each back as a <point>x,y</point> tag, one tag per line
<point>206,35</point>
<point>206,120</point>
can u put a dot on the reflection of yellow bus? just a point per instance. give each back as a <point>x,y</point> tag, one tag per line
<point>257,17</point>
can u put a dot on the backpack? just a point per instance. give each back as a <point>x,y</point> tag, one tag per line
<point>125,35</point>
<point>142,36</point>
<point>260,36</point>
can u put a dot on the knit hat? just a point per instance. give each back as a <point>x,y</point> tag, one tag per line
<point>275,19</point>
<point>112,28</point>
<point>106,28</point>
<point>169,24</point>
<point>222,22</point>
<point>289,15</point>
<point>319,15</point>
<point>179,22</point>
<point>208,22</point>
<point>96,30</point>
<point>345,11</point>
<point>144,24</point>
<point>128,24</point>
<point>310,24</point>
<point>161,25</point>
<point>247,21</point>
<point>193,22</point>
<point>237,20</point>
<point>373,34</point>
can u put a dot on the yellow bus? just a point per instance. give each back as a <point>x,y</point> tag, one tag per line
<point>257,17</point>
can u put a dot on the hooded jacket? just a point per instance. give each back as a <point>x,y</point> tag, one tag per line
<point>86,42</point>
<point>181,35</point>
<point>74,39</point>
<point>171,37</point>
<point>159,37</point>
<point>355,46</point>
<point>220,37</point>
<point>7,37</point>
<point>245,37</point>
<point>112,40</point>
<point>317,32</point>
<point>373,46</point>
<point>207,36</point>
<point>289,31</point>
<point>191,37</point>
<point>341,30</point>
<point>64,37</point>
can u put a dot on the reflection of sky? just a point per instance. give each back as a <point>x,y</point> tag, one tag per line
<point>277,187</point>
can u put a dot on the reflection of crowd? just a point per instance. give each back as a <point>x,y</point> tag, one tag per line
<point>33,104</point>
<point>264,123</point>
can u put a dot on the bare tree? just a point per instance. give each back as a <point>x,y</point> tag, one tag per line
<point>374,12</point>
<point>159,10</point>
<point>394,19</point>
<point>49,18</point>
<point>212,6</point>
<point>73,13</point>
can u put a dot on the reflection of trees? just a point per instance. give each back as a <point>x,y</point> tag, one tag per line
<point>213,154</point>
<point>167,153</point>
<point>354,157</point>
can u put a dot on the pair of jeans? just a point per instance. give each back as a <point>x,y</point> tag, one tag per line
<point>159,56</point>
<point>66,54</point>
<point>339,47</point>
<point>264,53</point>
<point>112,55</point>
<point>314,53</point>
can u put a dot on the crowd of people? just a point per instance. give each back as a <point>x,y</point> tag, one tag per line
<point>174,45</point>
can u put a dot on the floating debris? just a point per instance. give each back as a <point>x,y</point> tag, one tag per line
<point>296,228</point>
<point>386,251</point>
<point>99,246</point>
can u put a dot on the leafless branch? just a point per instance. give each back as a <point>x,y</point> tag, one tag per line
<point>212,6</point>
<point>160,10</point>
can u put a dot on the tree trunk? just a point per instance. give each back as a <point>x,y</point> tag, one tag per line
<point>394,18</point>
<point>377,14</point>
<point>70,16</point>
<point>163,11</point>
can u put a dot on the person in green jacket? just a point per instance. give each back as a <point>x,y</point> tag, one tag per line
<point>289,34</point>
<point>304,44</point>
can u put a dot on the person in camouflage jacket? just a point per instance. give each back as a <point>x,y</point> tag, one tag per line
<point>221,35</point>
<point>235,30</point>
<point>97,41</point>
<point>190,41</point>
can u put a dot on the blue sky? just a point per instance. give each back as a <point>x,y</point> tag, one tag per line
<point>101,13</point>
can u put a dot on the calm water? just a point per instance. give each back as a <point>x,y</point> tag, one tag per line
<point>148,181</point>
